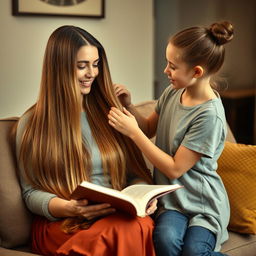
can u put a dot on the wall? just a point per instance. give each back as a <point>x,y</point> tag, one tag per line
<point>241,52</point>
<point>166,22</point>
<point>126,32</point>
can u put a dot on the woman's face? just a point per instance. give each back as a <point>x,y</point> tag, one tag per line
<point>87,67</point>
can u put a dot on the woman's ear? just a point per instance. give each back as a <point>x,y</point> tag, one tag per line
<point>198,71</point>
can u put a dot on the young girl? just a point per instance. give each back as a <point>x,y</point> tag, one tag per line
<point>64,139</point>
<point>190,127</point>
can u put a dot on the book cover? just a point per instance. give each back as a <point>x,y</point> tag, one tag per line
<point>133,199</point>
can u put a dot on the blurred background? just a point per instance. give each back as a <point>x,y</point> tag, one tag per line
<point>134,34</point>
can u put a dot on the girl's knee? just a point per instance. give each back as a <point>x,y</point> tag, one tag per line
<point>198,241</point>
<point>167,239</point>
<point>192,249</point>
<point>198,249</point>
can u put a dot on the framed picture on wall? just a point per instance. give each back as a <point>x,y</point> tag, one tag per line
<point>71,8</point>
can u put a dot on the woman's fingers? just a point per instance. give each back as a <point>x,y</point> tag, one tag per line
<point>81,202</point>
<point>152,207</point>
<point>96,207</point>
<point>93,211</point>
<point>95,214</point>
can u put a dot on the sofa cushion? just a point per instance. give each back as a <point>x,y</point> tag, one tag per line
<point>14,217</point>
<point>237,167</point>
<point>239,245</point>
<point>16,252</point>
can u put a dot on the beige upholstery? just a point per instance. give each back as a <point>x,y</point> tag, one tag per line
<point>15,220</point>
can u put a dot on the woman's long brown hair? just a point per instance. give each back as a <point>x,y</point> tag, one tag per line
<point>54,156</point>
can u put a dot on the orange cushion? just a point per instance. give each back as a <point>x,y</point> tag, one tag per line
<point>237,167</point>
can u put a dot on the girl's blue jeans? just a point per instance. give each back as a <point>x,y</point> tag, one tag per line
<point>173,237</point>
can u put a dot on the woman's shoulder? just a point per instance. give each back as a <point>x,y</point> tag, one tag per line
<point>23,120</point>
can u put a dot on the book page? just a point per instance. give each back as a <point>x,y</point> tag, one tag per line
<point>133,199</point>
<point>144,192</point>
<point>85,188</point>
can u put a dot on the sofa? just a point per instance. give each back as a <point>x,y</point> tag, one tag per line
<point>15,219</point>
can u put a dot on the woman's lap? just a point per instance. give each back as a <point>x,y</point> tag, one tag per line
<point>116,234</point>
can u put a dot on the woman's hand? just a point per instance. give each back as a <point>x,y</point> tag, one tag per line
<point>61,208</point>
<point>123,94</point>
<point>152,207</point>
<point>123,122</point>
<point>81,208</point>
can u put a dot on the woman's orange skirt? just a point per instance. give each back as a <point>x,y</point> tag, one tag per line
<point>116,234</point>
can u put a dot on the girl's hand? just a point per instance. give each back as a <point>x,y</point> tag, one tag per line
<point>81,208</point>
<point>152,207</point>
<point>123,94</point>
<point>123,122</point>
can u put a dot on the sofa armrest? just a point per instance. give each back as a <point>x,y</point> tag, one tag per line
<point>18,252</point>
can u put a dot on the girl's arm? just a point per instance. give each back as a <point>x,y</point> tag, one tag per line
<point>147,125</point>
<point>172,167</point>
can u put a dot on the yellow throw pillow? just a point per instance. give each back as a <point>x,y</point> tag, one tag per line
<point>237,168</point>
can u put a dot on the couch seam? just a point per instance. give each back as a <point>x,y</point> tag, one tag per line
<point>241,246</point>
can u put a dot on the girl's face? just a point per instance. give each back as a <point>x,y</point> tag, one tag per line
<point>178,72</point>
<point>87,67</point>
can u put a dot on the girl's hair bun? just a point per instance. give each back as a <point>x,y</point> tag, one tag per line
<point>221,32</point>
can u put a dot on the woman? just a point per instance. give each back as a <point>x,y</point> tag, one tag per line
<point>64,139</point>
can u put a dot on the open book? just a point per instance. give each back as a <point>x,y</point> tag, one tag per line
<point>133,199</point>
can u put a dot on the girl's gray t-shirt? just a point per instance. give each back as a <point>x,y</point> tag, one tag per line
<point>201,128</point>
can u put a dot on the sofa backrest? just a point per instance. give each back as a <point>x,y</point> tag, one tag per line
<point>15,219</point>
